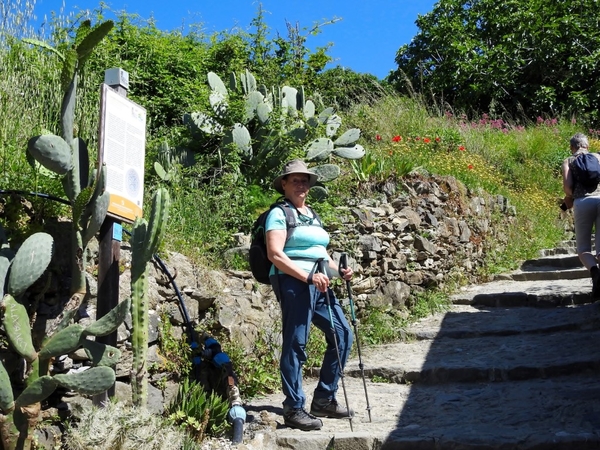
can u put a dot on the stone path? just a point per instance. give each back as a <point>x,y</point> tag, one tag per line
<point>513,364</point>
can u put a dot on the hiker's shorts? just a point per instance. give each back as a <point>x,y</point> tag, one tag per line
<point>586,212</point>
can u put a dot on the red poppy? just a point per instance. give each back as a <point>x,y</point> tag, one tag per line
<point>470,167</point>
<point>377,137</point>
<point>462,148</point>
<point>397,138</point>
<point>426,140</point>
<point>438,139</point>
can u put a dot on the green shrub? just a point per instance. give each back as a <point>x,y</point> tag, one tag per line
<point>198,413</point>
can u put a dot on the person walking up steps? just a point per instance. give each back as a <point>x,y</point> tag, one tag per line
<point>585,202</point>
<point>301,292</point>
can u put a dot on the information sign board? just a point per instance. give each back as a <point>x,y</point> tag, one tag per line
<point>123,150</point>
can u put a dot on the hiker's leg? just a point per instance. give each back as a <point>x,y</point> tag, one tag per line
<point>330,371</point>
<point>297,306</point>
<point>585,215</point>
<point>597,228</point>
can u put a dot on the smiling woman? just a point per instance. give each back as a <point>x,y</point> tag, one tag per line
<point>300,281</point>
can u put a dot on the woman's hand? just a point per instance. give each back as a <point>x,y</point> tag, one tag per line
<point>347,273</point>
<point>321,281</point>
<point>568,200</point>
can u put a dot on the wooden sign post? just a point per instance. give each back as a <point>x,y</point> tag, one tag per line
<point>122,142</point>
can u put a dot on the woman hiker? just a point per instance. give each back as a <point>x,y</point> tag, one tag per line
<point>301,292</point>
<point>586,210</point>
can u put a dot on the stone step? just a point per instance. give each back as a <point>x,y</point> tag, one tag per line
<point>548,274</point>
<point>514,363</point>
<point>557,413</point>
<point>539,293</point>
<point>483,359</point>
<point>568,261</point>
<point>465,321</point>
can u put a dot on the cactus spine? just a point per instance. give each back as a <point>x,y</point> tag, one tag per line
<point>145,238</point>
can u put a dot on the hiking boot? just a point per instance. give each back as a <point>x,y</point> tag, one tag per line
<point>300,419</point>
<point>329,407</point>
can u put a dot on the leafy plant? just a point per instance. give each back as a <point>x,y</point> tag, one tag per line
<point>501,51</point>
<point>196,412</point>
<point>260,364</point>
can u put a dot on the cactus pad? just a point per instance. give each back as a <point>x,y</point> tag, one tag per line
<point>348,138</point>
<point>16,325</point>
<point>52,152</point>
<point>216,84</point>
<point>327,172</point>
<point>319,149</point>
<point>62,342</point>
<point>101,354</point>
<point>30,262</point>
<point>37,391</point>
<point>109,322</point>
<point>355,152</point>
<point>90,382</point>
<point>7,401</point>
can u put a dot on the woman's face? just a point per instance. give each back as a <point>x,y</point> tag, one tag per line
<point>296,185</point>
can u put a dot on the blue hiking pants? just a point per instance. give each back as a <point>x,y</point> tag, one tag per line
<point>301,306</point>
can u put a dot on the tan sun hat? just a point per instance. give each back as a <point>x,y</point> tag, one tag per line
<point>294,166</point>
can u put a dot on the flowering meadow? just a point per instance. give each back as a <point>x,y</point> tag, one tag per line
<point>520,161</point>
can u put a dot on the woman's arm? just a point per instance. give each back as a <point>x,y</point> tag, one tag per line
<point>275,243</point>
<point>567,183</point>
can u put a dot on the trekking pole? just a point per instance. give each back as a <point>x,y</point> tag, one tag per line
<point>321,267</point>
<point>343,264</point>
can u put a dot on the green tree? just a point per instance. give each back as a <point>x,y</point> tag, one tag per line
<point>533,56</point>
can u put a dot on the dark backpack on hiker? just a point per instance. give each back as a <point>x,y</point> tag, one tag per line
<point>260,265</point>
<point>586,171</point>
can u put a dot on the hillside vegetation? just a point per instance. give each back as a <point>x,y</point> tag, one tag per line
<point>219,193</point>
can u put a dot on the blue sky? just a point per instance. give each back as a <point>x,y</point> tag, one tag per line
<point>366,38</point>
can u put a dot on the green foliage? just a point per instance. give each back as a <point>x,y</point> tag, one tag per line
<point>174,353</point>
<point>196,412</point>
<point>424,304</point>
<point>343,88</point>
<point>530,57</point>
<point>260,363</point>
<point>381,326</point>
<point>286,59</point>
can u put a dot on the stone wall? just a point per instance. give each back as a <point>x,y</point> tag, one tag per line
<point>402,238</point>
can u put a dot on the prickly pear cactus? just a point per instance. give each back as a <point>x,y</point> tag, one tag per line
<point>64,155</point>
<point>145,238</point>
<point>19,415</point>
<point>277,124</point>
<point>67,156</point>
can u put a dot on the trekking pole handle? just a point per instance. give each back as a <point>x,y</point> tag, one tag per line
<point>321,266</point>
<point>343,263</point>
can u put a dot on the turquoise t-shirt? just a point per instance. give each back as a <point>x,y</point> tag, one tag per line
<point>309,240</point>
